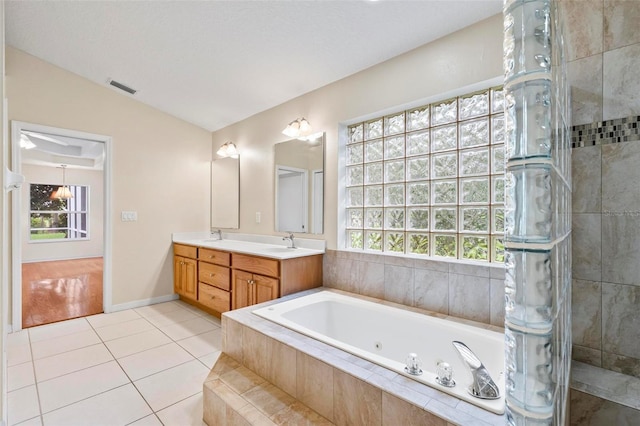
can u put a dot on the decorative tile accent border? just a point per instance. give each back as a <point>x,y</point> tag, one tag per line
<point>605,132</point>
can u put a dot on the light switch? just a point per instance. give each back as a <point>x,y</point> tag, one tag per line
<point>258,217</point>
<point>129,216</point>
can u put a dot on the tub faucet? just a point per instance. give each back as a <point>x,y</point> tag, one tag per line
<point>290,238</point>
<point>483,385</point>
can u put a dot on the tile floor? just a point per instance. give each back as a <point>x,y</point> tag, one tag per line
<point>143,366</point>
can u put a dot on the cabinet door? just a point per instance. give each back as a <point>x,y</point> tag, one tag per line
<point>178,281</point>
<point>264,288</point>
<point>242,290</point>
<point>190,278</point>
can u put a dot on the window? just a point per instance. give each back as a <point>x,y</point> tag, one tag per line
<point>429,180</point>
<point>58,219</point>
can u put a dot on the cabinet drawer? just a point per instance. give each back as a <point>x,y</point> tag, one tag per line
<point>214,298</point>
<point>216,275</point>
<point>185,251</point>
<point>214,256</point>
<point>258,265</point>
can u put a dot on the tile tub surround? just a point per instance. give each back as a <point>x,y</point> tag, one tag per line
<point>318,375</point>
<point>473,291</point>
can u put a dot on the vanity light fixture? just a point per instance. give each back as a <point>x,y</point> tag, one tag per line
<point>228,150</point>
<point>299,129</point>
<point>63,192</point>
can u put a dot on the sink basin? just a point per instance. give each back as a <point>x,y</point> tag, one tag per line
<point>278,249</point>
<point>228,243</point>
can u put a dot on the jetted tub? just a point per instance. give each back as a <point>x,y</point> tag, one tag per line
<point>385,335</point>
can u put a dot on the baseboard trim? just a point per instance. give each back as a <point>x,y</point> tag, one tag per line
<point>144,302</point>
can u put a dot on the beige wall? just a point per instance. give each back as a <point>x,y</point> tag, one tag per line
<point>160,166</point>
<point>466,57</point>
<point>93,247</point>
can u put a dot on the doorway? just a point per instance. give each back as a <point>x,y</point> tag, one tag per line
<point>291,196</point>
<point>60,225</point>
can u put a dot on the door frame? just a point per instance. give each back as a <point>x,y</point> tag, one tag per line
<point>16,211</point>
<point>317,202</point>
<point>304,173</point>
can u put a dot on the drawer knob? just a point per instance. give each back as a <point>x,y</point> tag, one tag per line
<point>213,297</point>
<point>211,256</point>
<point>212,275</point>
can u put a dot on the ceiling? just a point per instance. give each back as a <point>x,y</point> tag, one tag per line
<point>214,63</point>
<point>50,150</point>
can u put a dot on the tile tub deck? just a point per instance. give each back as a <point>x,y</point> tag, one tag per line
<point>320,376</point>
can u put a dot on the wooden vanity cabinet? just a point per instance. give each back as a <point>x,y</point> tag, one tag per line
<point>214,279</point>
<point>257,279</point>
<point>217,281</point>
<point>185,278</point>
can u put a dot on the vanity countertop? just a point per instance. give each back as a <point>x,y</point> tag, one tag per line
<point>258,245</point>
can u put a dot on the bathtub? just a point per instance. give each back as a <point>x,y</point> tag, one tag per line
<point>385,335</point>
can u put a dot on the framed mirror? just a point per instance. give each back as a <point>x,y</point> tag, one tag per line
<point>225,193</point>
<point>299,186</point>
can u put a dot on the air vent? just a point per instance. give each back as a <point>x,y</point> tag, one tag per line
<point>122,87</point>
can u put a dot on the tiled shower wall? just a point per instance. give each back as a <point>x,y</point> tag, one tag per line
<point>606,254</point>
<point>604,54</point>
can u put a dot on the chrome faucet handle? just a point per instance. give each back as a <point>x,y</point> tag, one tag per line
<point>290,238</point>
<point>483,385</point>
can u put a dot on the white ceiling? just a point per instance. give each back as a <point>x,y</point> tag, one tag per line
<point>53,150</point>
<point>214,63</point>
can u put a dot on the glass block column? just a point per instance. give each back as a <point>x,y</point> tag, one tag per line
<point>537,215</point>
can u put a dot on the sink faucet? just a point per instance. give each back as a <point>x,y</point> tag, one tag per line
<point>290,238</point>
<point>218,233</point>
<point>483,385</point>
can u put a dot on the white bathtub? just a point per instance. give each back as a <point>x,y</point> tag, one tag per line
<point>386,335</point>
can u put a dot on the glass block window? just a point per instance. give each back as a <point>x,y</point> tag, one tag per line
<point>429,180</point>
